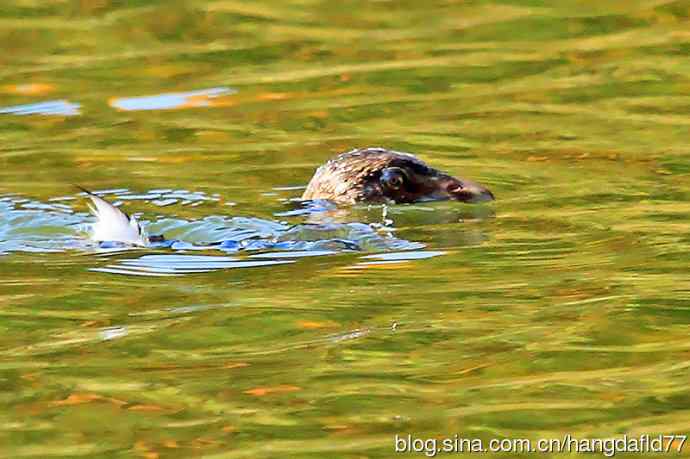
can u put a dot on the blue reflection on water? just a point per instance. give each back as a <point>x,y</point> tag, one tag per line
<point>33,226</point>
<point>52,107</point>
<point>169,101</point>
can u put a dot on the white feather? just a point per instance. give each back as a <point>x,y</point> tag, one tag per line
<point>113,225</point>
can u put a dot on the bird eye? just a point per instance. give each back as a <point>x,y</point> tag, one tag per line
<point>393,178</point>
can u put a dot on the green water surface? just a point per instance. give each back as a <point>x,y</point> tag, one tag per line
<point>561,308</point>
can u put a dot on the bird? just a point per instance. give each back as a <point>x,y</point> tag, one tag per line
<point>112,224</point>
<point>363,175</point>
<point>379,175</point>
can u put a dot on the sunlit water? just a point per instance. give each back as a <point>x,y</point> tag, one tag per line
<point>30,226</point>
<point>264,329</point>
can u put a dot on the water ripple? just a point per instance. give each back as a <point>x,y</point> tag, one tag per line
<point>52,107</point>
<point>34,226</point>
<point>169,101</point>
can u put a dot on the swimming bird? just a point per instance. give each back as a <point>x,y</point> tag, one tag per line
<point>374,175</point>
<point>379,175</point>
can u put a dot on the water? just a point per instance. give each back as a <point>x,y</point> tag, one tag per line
<point>560,308</point>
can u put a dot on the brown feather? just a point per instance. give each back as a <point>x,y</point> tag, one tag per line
<point>354,176</point>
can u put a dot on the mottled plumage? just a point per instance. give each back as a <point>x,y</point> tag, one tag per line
<point>380,175</point>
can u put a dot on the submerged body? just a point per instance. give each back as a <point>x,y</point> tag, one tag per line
<point>386,176</point>
<point>373,175</point>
